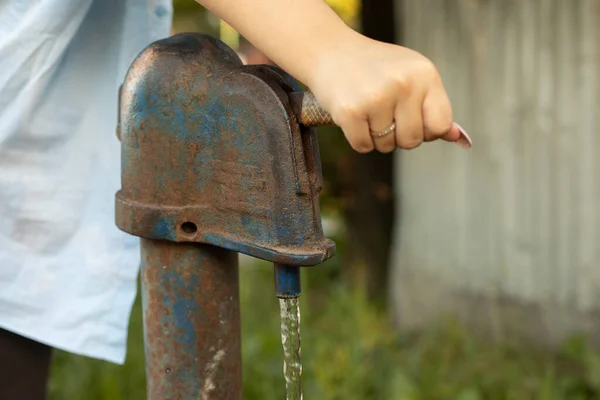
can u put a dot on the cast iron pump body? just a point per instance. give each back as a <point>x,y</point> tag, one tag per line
<point>215,162</point>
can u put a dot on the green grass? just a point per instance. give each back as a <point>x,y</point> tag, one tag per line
<point>350,352</point>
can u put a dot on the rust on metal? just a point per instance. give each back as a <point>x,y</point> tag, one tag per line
<point>212,153</point>
<point>216,159</point>
<point>191,321</point>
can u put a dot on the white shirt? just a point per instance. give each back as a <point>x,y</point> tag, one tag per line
<point>67,274</point>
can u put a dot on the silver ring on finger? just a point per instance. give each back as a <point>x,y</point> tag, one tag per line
<point>387,131</point>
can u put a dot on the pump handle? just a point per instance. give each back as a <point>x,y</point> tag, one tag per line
<point>308,111</point>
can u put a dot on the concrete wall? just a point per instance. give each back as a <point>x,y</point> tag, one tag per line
<point>507,235</point>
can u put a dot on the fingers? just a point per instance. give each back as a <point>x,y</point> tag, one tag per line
<point>380,120</point>
<point>437,116</point>
<point>356,129</point>
<point>464,139</point>
<point>409,124</point>
<point>438,120</point>
<point>420,114</point>
<point>361,126</point>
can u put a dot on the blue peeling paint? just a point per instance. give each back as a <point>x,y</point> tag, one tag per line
<point>165,229</point>
<point>183,309</point>
<point>287,281</point>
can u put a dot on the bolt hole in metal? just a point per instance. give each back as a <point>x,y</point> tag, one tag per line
<point>189,227</point>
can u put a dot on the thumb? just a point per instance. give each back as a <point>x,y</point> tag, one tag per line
<point>459,136</point>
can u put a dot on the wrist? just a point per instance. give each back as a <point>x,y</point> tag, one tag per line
<point>317,46</point>
<point>329,54</point>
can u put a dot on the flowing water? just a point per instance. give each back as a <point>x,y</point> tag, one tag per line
<point>290,338</point>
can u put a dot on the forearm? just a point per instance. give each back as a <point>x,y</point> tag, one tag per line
<point>371,89</point>
<point>292,33</point>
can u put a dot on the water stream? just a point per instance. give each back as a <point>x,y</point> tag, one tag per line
<point>290,338</point>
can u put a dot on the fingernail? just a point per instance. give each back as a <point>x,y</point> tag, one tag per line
<point>464,140</point>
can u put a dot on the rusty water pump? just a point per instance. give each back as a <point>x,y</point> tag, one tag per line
<point>218,158</point>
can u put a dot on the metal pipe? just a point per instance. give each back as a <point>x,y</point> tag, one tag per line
<point>287,281</point>
<point>190,295</point>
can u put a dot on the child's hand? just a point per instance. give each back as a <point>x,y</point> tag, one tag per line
<point>367,86</point>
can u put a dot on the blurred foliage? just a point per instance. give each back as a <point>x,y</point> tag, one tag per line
<point>348,10</point>
<point>191,16</point>
<point>350,351</point>
<point>181,6</point>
